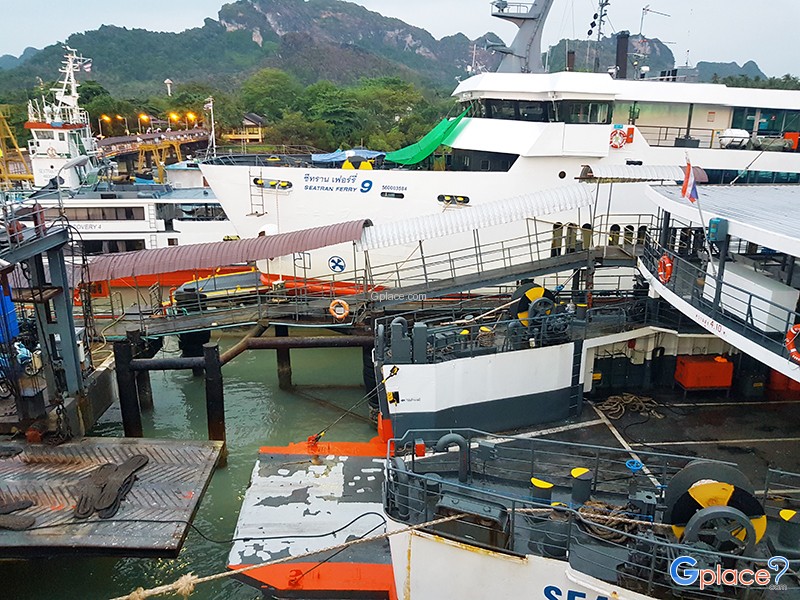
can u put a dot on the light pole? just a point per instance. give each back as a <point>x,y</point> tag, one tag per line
<point>173,117</point>
<point>100,120</point>
<point>190,116</point>
<point>212,144</point>
<point>142,118</point>
<point>125,119</point>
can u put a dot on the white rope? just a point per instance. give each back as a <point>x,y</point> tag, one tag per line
<point>186,584</point>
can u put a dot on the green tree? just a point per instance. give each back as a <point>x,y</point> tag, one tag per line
<point>270,93</point>
<point>338,108</point>
<point>89,90</point>
<point>296,129</point>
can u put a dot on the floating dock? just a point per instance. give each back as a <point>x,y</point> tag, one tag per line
<point>307,497</point>
<point>153,519</point>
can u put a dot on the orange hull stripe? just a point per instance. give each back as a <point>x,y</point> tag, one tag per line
<point>375,447</point>
<point>333,577</point>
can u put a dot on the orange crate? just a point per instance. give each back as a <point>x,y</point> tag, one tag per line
<point>699,372</point>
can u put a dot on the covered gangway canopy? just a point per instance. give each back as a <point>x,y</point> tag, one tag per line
<point>630,173</point>
<point>217,254</point>
<point>451,222</point>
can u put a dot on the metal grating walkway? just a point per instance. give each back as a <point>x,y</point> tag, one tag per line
<point>152,520</point>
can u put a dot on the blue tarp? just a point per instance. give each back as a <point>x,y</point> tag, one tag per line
<point>342,155</point>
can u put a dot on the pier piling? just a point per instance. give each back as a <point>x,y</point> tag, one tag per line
<point>126,383</point>
<point>284,360</point>
<point>143,388</point>
<point>215,399</point>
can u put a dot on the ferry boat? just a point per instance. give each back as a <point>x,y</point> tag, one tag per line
<point>77,184</point>
<point>518,131</point>
<point>567,507</point>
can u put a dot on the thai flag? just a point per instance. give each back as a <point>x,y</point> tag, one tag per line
<point>87,65</point>
<point>689,189</point>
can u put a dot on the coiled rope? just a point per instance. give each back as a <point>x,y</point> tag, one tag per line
<point>615,406</point>
<point>186,584</point>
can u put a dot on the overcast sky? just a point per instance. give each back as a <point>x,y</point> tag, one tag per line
<point>711,30</point>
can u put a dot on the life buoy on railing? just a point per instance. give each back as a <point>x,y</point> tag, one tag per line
<point>76,296</point>
<point>664,269</point>
<point>791,343</point>
<point>618,138</point>
<point>51,152</point>
<point>339,310</point>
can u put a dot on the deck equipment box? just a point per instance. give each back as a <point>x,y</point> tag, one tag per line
<point>704,372</point>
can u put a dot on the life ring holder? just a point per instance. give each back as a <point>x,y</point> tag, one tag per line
<point>665,267</point>
<point>791,343</point>
<point>339,309</point>
<point>618,138</point>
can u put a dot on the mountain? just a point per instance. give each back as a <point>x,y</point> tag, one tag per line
<point>7,61</point>
<point>641,52</point>
<point>707,70</point>
<point>315,39</point>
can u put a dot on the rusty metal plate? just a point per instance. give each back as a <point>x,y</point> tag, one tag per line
<point>152,521</point>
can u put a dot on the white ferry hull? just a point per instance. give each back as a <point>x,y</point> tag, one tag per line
<point>431,567</point>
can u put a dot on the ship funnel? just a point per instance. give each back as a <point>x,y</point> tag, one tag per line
<point>622,54</point>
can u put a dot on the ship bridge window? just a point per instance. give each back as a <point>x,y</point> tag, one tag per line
<point>94,247</point>
<point>475,160</point>
<point>44,135</point>
<point>502,109</point>
<point>580,112</point>
<point>106,213</point>
<point>200,212</point>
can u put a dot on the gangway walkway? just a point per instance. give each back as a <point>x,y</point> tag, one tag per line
<point>477,262</point>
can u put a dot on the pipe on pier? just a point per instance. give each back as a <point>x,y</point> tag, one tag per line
<point>174,363</point>
<point>321,341</point>
<point>241,345</point>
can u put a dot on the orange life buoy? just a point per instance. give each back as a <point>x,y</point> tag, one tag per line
<point>618,138</point>
<point>664,269</point>
<point>791,345</point>
<point>76,297</point>
<point>339,310</point>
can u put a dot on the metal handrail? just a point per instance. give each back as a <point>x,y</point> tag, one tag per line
<point>501,469</point>
<point>738,309</point>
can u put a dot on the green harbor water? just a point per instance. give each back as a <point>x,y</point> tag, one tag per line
<point>257,413</point>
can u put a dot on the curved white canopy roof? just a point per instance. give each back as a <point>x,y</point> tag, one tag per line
<point>767,215</point>
<point>573,85</point>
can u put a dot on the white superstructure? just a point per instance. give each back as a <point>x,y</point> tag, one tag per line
<point>524,132</point>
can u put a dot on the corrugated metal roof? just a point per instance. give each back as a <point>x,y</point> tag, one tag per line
<point>763,214</point>
<point>450,222</point>
<point>217,254</point>
<point>631,173</point>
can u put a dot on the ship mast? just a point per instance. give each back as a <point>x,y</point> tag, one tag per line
<point>525,53</point>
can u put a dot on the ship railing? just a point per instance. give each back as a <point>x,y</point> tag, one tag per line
<point>24,220</point>
<point>501,9</point>
<point>607,537</point>
<point>297,296</point>
<point>658,135</point>
<point>475,259</point>
<point>695,281</point>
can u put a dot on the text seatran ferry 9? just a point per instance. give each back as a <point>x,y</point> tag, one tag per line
<point>522,131</point>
